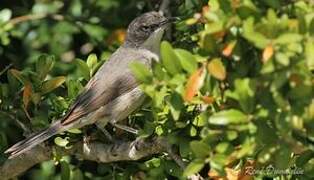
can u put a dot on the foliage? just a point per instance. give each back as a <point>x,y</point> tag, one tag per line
<point>233,90</point>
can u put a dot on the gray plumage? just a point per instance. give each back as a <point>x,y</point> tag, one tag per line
<point>113,93</point>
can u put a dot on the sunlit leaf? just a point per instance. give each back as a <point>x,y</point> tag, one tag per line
<point>227,51</point>
<point>194,83</point>
<point>194,167</point>
<point>52,84</point>
<point>5,15</point>
<point>288,38</point>
<point>187,60</point>
<point>43,65</point>
<point>91,61</point>
<point>83,69</point>
<point>27,93</point>
<point>268,53</point>
<point>217,69</point>
<point>226,117</point>
<point>169,58</point>
<point>62,142</point>
<point>141,72</point>
<point>309,54</point>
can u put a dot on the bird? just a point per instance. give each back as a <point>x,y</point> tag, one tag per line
<point>113,93</point>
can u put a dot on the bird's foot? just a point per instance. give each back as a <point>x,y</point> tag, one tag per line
<point>105,132</point>
<point>125,128</point>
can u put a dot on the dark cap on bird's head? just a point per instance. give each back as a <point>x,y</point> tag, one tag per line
<point>145,26</point>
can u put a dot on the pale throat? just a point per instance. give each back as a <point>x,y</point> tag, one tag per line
<point>153,42</point>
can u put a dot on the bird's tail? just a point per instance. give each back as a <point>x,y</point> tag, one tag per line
<point>34,140</point>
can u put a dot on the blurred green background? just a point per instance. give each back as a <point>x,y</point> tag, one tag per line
<point>234,88</point>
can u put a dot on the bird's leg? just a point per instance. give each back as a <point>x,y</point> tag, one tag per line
<point>105,132</point>
<point>126,128</point>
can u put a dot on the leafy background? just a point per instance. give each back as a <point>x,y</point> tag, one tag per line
<point>234,89</point>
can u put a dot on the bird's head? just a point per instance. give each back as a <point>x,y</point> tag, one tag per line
<point>147,30</point>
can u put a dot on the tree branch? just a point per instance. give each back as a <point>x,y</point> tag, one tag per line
<point>95,151</point>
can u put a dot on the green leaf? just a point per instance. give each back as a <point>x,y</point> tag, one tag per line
<point>258,39</point>
<point>283,157</point>
<point>244,92</point>
<point>200,149</point>
<point>43,65</point>
<point>194,167</point>
<point>311,27</point>
<point>154,162</point>
<point>62,142</point>
<point>226,117</point>
<point>91,61</point>
<point>65,170</point>
<point>83,69</point>
<point>75,131</point>
<point>18,75</point>
<point>52,84</point>
<point>217,162</point>
<point>169,58</point>
<point>77,175</point>
<point>176,105</point>
<point>141,72</point>
<point>5,15</point>
<point>309,55</point>
<point>222,147</point>
<point>187,60</point>
<point>304,158</point>
<point>273,3</point>
<point>201,120</point>
<point>288,38</point>
<point>74,87</point>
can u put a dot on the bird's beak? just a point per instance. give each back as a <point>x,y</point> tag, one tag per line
<point>169,20</point>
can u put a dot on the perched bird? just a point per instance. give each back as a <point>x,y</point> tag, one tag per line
<point>113,92</point>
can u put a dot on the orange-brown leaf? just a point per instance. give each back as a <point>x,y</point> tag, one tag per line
<point>208,99</point>
<point>194,83</point>
<point>205,10</point>
<point>220,34</point>
<point>232,174</point>
<point>217,69</point>
<point>117,36</point>
<point>17,74</point>
<point>27,93</point>
<point>228,48</point>
<point>268,53</point>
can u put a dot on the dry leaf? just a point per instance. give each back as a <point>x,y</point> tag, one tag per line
<point>205,10</point>
<point>267,53</point>
<point>217,69</point>
<point>27,93</point>
<point>52,84</point>
<point>118,35</point>
<point>219,35</point>
<point>208,99</point>
<point>194,83</point>
<point>228,49</point>
<point>295,79</point>
<point>232,174</point>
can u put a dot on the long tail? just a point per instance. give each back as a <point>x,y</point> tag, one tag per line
<point>34,140</point>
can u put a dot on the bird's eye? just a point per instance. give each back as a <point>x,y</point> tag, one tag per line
<point>145,28</point>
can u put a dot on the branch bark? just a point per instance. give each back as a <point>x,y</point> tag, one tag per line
<point>95,151</point>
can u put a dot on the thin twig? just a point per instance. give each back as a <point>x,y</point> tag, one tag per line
<point>17,121</point>
<point>30,17</point>
<point>5,69</point>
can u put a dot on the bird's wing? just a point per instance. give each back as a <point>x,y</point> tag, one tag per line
<point>112,80</point>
